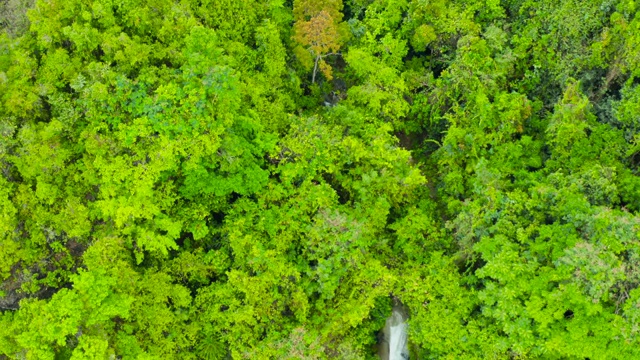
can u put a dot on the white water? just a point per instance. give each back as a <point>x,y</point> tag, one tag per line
<point>394,343</point>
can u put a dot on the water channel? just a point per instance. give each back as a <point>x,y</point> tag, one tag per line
<point>393,340</point>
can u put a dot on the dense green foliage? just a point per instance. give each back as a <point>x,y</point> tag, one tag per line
<point>259,179</point>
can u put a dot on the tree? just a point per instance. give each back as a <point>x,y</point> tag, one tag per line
<point>319,33</point>
<point>320,36</point>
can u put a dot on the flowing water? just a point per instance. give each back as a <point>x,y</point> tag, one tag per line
<point>393,342</point>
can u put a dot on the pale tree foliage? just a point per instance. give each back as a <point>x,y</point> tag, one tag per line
<point>320,36</point>
<point>317,31</point>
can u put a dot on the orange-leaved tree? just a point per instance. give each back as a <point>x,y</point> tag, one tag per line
<point>319,33</point>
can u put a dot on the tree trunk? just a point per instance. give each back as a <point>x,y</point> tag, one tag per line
<point>315,69</point>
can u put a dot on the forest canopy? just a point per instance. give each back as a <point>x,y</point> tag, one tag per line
<point>244,179</point>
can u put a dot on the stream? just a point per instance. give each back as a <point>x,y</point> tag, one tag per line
<point>393,339</point>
